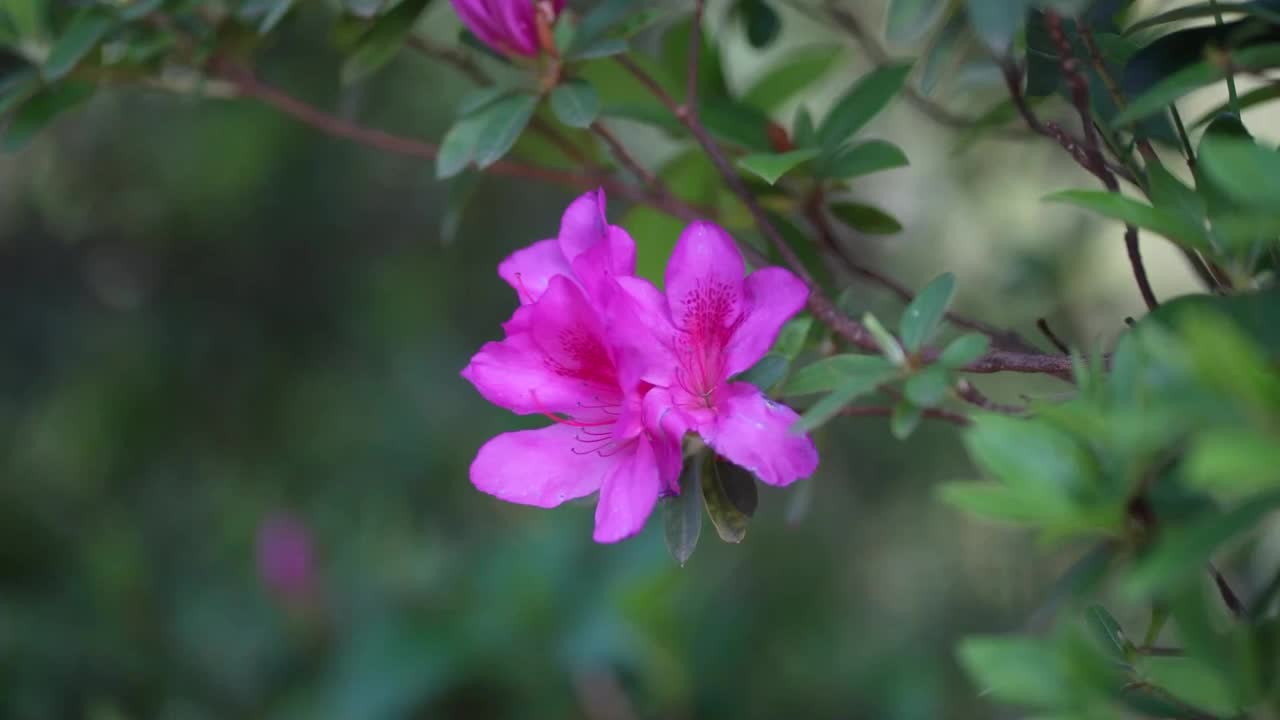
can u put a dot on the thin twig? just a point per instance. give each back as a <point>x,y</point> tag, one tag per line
<point>973,396</point>
<point>1006,339</point>
<point>1048,332</point>
<point>1229,596</point>
<point>455,58</point>
<point>624,157</point>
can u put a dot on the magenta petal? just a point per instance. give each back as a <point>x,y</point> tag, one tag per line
<point>628,494</point>
<point>542,467</point>
<point>704,282</point>
<point>514,374</point>
<point>518,20</point>
<point>567,330</point>
<point>478,18</point>
<point>640,333</point>
<point>666,426</point>
<point>755,433</point>
<point>773,296</point>
<point>529,269</point>
<point>583,224</point>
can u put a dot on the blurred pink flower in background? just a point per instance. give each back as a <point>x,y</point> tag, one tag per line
<point>286,558</point>
<point>508,26</point>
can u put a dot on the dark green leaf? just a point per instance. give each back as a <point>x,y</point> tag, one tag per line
<point>865,218</point>
<point>16,87</point>
<point>768,372</point>
<point>1170,195</point>
<point>792,338</point>
<point>458,148</point>
<point>772,167</point>
<point>905,419</point>
<point>1194,77</point>
<point>908,20</point>
<point>762,22</point>
<point>997,21</point>
<point>1256,96</point>
<point>730,522</point>
<point>964,350</point>
<point>944,53</point>
<point>459,195</point>
<point>481,98</point>
<point>682,514</point>
<point>381,43</point>
<point>274,14</point>
<point>505,120</point>
<point>803,133</point>
<point>790,77</point>
<point>739,486</point>
<point>83,35</point>
<point>928,387</point>
<point>830,373</point>
<point>1188,12</point>
<point>575,103</point>
<point>862,102</point>
<point>1118,207</point>
<point>604,47</point>
<point>1182,555</point>
<point>1108,632</point>
<point>863,159</point>
<point>1248,173</point>
<point>43,108</point>
<point>922,315</point>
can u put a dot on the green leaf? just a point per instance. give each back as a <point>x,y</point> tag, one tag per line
<point>1234,463</point>
<point>762,23</point>
<point>863,159</point>
<point>909,20</point>
<point>505,120</point>
<point>889,345</point>
<point>481,98</point>
<point>682,514</point>
<point>1170,195</point>
<point>767,372</point>
<point>905,419</point>
<point>82,35</point>
<point>1015,669</point>
<point>16,87</point>
<point>830,373</point>
<point>730,522</point>
<point>1256,96</point>
<point>1248,173</point>
<point>1128,210</point>
<point>792,337</point>
<point>946,50</point>
<point>43,108</point>
<point>791,76</point>
<point>862,102</point>
<point>739,486</point>
<point>382,41</point>
<point>1194,683</point>
<point>997,21</point>
<point>772,167</point>
<point>964,350</point>
<point>922,315</point>
<point>575,103</point>
<point>1193,77</point>
<point>1188,12</point>
<point>852,386</point>
<point>928,387</point>
<point>458,148</point>
<point>865,218</point>
<point>1030,454</point>
<point>274,14</point>
<point>1108,631</point>
<point>458,196</point>
<point>1182,555</point>
<point>602,48</point>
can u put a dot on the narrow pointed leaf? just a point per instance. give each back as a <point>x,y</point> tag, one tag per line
<point>682,514</point>
<point>505,120</point>
<point>772,167</point>
<point>922,315</point>
<point>86,30</point>
<point>575,103</point>
<point>863,159</point>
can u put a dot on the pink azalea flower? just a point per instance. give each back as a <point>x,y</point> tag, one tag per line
<point>613,432</point>
<point>508,26</point>
<point>713,324</point>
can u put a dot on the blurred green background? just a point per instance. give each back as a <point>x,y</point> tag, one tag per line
<point>236,442</point>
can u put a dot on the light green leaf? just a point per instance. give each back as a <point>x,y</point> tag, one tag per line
<point>481,98</point>
<point>81,36</point>
<point>964,350</point>
<point>862,102</point>
<point>829,373</point>
<point>851,387</point>
<point>1118,207</point>
<point>772,167</point>
<point>889,345</point>
<point>997,21</point>
<point>922,315</point>
<point>909,20</point>
<point>458,148</point>
<point>1234,463</point>
<point>767,372</point>
<point>1015,669</point>
<point>928,387</point>
<point>865,218</point>
<point>1030,454</point>
<point>505,120</point>
<point>575,103</point>
<point>905,419</point>
<point>791,76</point>
<point>863,159</point>
<point>945,52</point>
<point>1108,631</point>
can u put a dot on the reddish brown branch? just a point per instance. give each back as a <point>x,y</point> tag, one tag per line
<point>975,397</point>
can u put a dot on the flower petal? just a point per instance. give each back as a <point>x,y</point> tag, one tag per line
<point>478,18</point>
<point>773,295</point>
<point>518,18</point>
<point>628,494</point>
<point>529,269</point>
<point>567,330</point>
<point>666,426</point>
<point>515,374</point>
<point>640,333</point>
<point>542,467</point>
<point>755,433</point>
<point>595,249</point>
<point>704,277</point>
